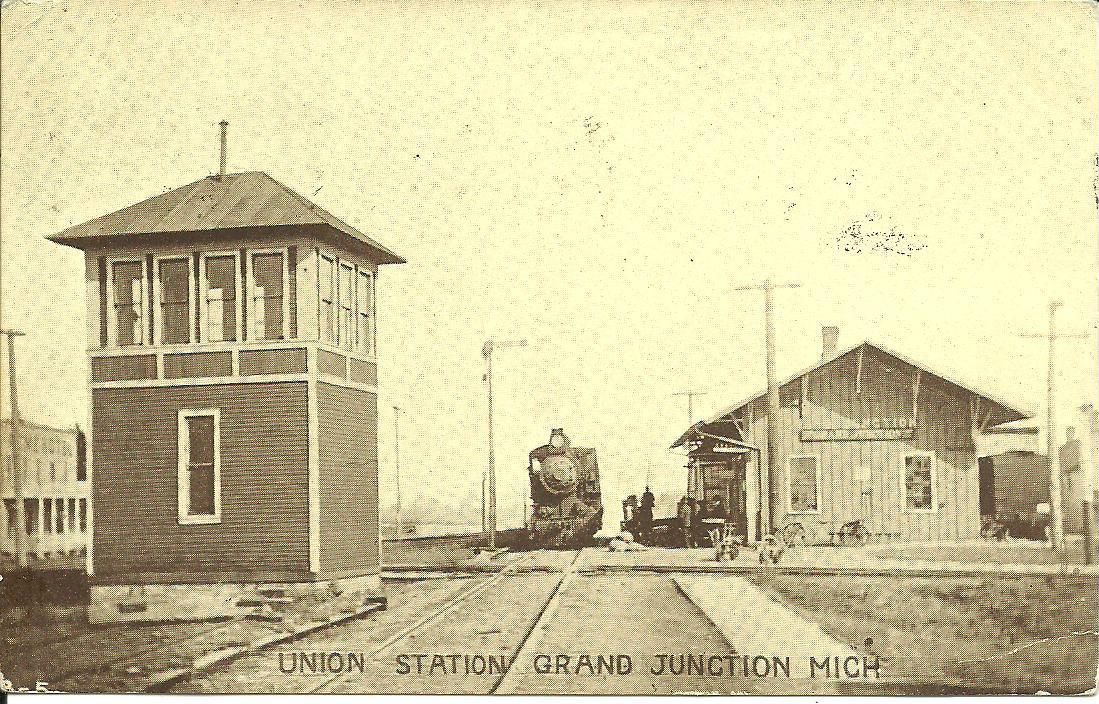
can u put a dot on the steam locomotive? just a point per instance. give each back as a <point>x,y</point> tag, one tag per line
<point>564,488</point>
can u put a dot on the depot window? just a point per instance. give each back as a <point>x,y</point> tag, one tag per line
<point>919,482</point>
<point>199,471</point>
<point>804,471</point>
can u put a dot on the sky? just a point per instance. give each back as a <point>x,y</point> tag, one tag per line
<point>599,179</point>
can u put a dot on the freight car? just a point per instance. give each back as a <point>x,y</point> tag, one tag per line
<point>564,488</point>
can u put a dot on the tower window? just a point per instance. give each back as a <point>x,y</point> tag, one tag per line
<point>366,312</point>
<point>199,470</point>
<point>174,300</point>
<point>127,312</point>
<point>327,289</point>
<point>267,276</point>
<point>220,291</point>
<point>347,327</point>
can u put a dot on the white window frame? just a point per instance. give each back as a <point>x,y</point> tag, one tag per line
<point>183,479</point>
<point>934,481</point>
<point>112,312</point>
<point>158,293</point>
<point>790,485</point>
<point>284,251</point>
<point>365,346</point>
<point>204,284</point>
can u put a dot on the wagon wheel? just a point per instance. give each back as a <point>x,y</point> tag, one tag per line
<point>793,534</point>
<point>854,535</point>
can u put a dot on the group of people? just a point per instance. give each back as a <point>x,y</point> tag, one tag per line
<point>689,529</point>
<point>691,514</point>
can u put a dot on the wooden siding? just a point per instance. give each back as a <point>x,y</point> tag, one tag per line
<point>288,361</point>
<point>364,372</point>
<point>125,368</point>
<point>866,478</point>
<point>348,437</point>
<point>331,363</point>
<point>264,482</point>
<point>292,291</point>
<point>197,365</point>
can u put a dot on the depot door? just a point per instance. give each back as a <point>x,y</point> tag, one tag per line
<point>724,480</point>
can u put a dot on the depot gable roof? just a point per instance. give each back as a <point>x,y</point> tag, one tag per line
<point>1002,411</point>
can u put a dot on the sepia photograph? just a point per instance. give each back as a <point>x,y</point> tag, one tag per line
<point>618,347</point>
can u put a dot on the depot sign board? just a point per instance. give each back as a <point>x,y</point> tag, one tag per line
<point>872,429</point>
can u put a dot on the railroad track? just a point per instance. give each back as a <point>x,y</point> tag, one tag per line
<point>450,605</point>
<point>160,661</point>
<point>140,656</point>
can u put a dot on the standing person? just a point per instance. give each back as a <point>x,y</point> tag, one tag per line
<point>645,515</point>
<point>629,513</point>
<point>683,522</point>
<point>698,532</point>
<point>685,513</point>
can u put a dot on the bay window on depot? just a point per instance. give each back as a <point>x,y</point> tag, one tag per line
<point>267,300</point>
<point>173,305</point>
<point>127,306</point>
<point>326,285</point>
<point>198,480</point>
<point>220,319</point>
<point>345,332</point>
<point>365,307</point>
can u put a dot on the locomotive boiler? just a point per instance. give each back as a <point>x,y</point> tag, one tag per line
<point>564,489</point>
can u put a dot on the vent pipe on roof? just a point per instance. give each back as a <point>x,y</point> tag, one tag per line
<point>830,335</point>
<point>224,142</point>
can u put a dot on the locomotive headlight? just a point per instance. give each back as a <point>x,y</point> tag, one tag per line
<point>558,438</point>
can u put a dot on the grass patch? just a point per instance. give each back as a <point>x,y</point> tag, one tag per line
<point>1001,634</point>
<point>1013,552</point>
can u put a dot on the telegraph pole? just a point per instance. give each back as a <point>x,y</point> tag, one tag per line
<point>768,288</point>
<point>1056,512</point>
<point>690,404</point>
<point>397,411</point>
<point>490,510</point>
<point>16,453</point>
